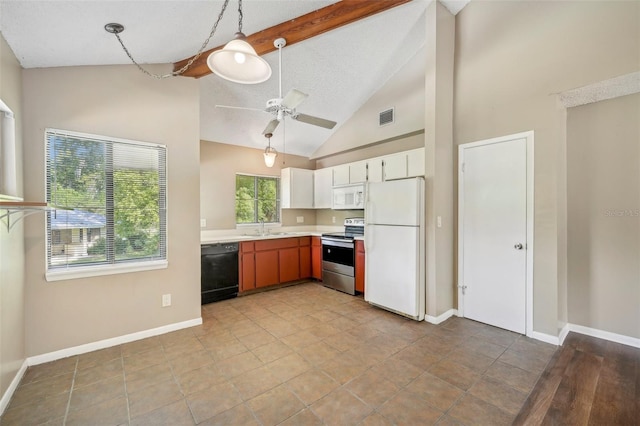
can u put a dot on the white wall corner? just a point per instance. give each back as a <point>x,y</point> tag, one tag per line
<point>547,338</point>
<point>4,401</point>
<point>441,318</point>
<point>563,333</point>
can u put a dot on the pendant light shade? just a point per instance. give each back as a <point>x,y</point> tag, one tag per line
<point>270,154</point>
<point>239,62</point>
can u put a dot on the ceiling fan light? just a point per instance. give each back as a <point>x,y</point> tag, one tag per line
<point>239,62</point>
<point>270,155</point>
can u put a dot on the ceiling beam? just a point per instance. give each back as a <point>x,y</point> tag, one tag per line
<point>299,29</point>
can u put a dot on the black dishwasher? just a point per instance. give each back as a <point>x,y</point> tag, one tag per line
<point>218,272</point>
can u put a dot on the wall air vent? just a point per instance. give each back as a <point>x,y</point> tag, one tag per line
<point>386,117</point>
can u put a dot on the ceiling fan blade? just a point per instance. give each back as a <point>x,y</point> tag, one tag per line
<point>293,98</point>
<point>316,121</point>
<point>271,126</point>
<point>238,107</point>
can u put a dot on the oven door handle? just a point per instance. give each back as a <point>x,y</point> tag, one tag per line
<point>337,242</point>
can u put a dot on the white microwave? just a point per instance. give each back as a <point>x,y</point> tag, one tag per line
<point>350,197</point>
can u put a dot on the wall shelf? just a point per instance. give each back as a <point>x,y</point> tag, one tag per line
<point>26,208</point>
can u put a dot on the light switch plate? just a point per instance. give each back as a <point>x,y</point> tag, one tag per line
<point>439,221</point>
<point>203,223</point>
<point>166,300</point>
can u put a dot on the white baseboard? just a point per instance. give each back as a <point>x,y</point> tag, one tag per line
<point>563,333</point>
<point>601,334</point>
<point>547,338</point>
<point>101,344</point>
<point>441,318</point>
<point>4,401</point>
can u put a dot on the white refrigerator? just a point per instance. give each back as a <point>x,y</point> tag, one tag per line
<point>394,240</point>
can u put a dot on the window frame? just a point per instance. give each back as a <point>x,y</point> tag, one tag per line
<point>278,200</point>
<point>116,267</point>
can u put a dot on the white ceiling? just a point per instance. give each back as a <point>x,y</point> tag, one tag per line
<point>339,70</point>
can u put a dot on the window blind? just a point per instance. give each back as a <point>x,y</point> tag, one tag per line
<point>111,196</point>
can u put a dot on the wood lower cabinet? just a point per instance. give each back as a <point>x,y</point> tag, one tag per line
<point>269,262</point>
<point>316,258</point>
<point>360,266</point>
<point>247,266</point>
<point>305,257</point>
<point>289,262</point>
<point>267,268</point>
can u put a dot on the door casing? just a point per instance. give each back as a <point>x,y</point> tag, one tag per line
<point>530,217</point>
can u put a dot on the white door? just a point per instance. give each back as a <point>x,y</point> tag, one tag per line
<point>493,232</point>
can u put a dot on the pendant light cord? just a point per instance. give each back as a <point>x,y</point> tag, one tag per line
<point>239,16</point>
<point>197,55</point>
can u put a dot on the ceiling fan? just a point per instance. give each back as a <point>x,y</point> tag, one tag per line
<point>286,107</point>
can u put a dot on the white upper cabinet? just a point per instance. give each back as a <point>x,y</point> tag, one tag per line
<point>358,172</point>
<point>350,173</point>
<point>402,165</point>
<point>374,170</point>
<point>296,188</point>
<point>415,162</point>
<point>395,166</point>
<point>322,188</point>
<point>341,175</point>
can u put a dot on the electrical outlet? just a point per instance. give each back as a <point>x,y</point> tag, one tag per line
<point>203,223</point>
<point>300,219</point>
<point>333,219</point>
<point>439,221</point>
<point>166,300</point>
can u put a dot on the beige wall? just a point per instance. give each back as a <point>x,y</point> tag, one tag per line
<point>511,58</point>
<point>603,143</point>
<point>122,102</point>
<point>219,164</point>
<point>404,91</point>
<point>395,144</point>
<point>12,282</point>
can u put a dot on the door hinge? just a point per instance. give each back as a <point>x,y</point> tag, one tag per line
<point>463,167</point>
<point>464,288</point>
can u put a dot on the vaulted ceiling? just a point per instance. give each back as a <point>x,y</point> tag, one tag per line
<point>339,69</point>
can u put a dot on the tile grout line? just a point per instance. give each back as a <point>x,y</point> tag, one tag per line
<point>126,392</point>
<point>176,381</point>
<point>73,380</point>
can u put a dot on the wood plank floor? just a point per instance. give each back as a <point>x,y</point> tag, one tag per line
<point>589,381</point>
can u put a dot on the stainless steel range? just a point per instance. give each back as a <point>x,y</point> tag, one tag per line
<point>338,256</point>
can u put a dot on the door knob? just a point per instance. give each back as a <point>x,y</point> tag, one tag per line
<point>518,246</point>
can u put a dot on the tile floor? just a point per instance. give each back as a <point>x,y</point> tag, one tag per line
<point>300,355</point>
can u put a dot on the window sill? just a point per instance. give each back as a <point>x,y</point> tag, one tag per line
<point>102,270</point>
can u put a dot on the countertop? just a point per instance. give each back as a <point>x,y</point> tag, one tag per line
<point>251,234</point>
<point>238,238</point>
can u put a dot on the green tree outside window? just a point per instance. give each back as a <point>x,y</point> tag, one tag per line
<point>257,199</point>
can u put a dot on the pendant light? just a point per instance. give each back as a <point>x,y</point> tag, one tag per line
<point>237,61</point>
<point>270,153</point>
